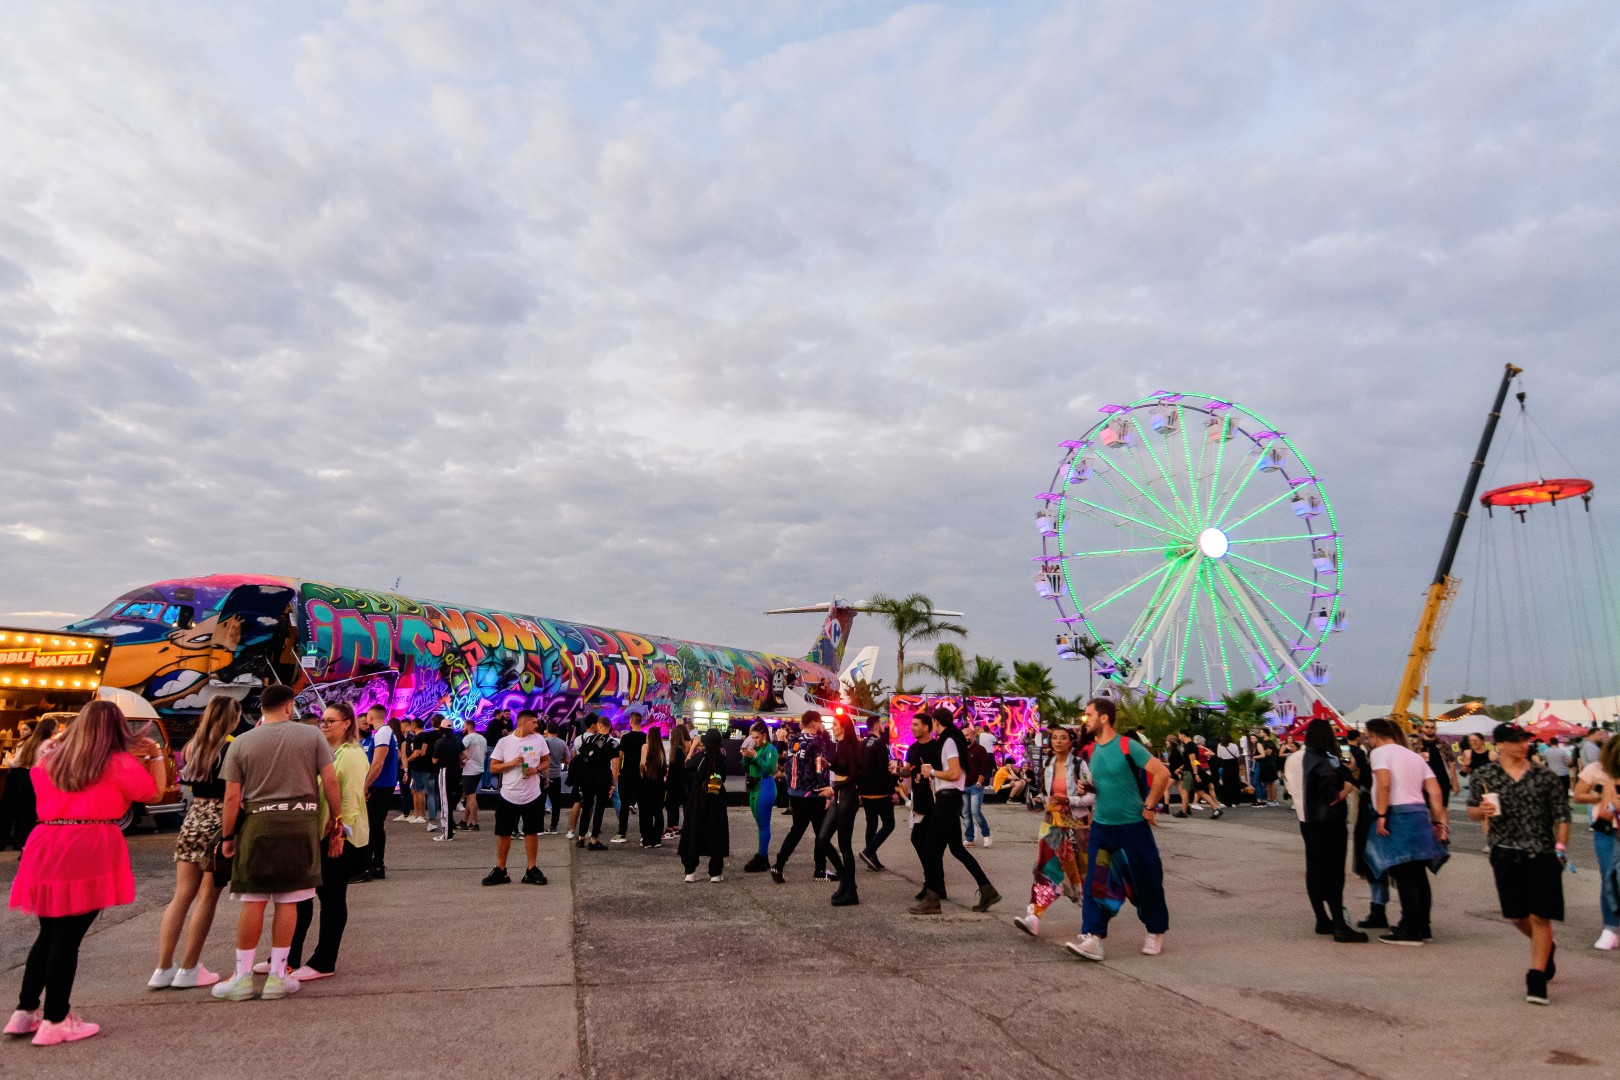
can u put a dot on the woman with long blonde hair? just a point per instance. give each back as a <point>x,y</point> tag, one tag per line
<point>192,881</point>
<point>77,862</point>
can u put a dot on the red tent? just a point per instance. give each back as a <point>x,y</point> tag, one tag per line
<point>1550,727</point>
<point>1319,711</point>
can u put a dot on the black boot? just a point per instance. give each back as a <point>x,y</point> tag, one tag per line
<point>1375,919</point>
<point>845,897</point>
<point>757,865</point>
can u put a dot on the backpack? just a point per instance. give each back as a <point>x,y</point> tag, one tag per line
<point>593,760</point>
<point>1136,770</point>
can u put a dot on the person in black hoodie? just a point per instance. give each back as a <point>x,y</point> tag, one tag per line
<point>843,794</point>
<point>877,790</point>
<point>1321,786</point>
<point>706,831</point>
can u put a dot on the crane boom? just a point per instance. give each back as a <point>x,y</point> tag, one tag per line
<point>1443,589</point>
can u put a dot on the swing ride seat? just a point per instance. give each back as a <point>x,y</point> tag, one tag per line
<point>1536,492</point>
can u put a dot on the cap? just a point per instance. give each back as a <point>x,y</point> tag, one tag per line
<point>1509,733</point>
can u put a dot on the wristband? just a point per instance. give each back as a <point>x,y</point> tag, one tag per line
<point>1559,847</point>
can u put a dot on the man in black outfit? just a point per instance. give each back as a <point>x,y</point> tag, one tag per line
<point>627,771</point>
<point>806,765</point>
<point>877,790</point>
<point>593,769</point>
<point>923,751</point>
<point>447,754</point>
<point>1440,760</point>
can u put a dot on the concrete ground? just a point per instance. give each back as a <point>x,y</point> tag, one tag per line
<point>618,969</point>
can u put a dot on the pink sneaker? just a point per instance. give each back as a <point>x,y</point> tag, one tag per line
<point>23,1022</point>
<point>71,1029</point>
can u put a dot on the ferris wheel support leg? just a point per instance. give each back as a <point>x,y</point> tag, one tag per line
<point>1188,575</point>
<point>1281,649</point>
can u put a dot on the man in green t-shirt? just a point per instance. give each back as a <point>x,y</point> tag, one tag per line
<point>1122,850</point>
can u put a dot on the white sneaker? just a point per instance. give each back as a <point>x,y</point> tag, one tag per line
<point>690,879</point>
<point>717,877</point>
<point>433,826</point>
<point>191,978</point>
<point>1089,947</point>
<point>278,986</point>
<point>308,974</point>
<point>236,988</point>
<point>1154,945</point>
<point>1608,941</point>
<point>986,839</point>
<point>162,978</point>
<point>570,835</point>
<point>262,968</point>
<point>617,840</point>
<point>1029,924</point>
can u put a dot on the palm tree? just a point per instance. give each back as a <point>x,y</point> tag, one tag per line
<point>948,666</point>
<point>1067,711</point>
<point>985,679</point>
<point>911,618</point>
<point>1032,679</point>
<point>1090,650</point>
<point>1245,711</point>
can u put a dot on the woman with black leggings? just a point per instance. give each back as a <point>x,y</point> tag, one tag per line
<point>945,820</point>
<point>844,799</point>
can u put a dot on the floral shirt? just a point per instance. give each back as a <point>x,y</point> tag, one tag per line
<point>1532,806</point>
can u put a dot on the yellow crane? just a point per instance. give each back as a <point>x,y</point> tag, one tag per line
<point>1443,589</point>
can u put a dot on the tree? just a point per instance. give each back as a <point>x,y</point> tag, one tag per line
<point>1158,717</point>
<point>985,679</point>
<point>911,618</point>
<point>1067,711</point>
<point>867,696</point>
<point>1245,711</point>
<point>1089,650</point>
<point>948,666</point>
<point>1032,679</point>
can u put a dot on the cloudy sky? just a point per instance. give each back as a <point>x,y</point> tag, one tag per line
<point>661,314</point>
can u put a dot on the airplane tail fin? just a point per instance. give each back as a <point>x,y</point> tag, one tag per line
<point>828,651</point>
<point>860,669</point>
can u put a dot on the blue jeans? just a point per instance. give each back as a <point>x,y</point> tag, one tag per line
<point>431,782</point>
<point>1609,876</point>
<point>1379,887</point>
<point>973,807</point>
<point>1146,875</point>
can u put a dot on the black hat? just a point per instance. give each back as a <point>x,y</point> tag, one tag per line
<point>1510,733</point>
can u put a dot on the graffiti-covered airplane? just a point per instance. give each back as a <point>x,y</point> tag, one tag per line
<point>178,643</point>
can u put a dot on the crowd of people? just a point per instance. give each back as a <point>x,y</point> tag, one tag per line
<point>286,814</point>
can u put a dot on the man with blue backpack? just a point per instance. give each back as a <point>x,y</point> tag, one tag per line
<point>1123,859</point>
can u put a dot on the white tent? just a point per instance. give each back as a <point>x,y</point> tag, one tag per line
<point>1477,724</point>
<point>1358,716</point>
<point>1583,711</point>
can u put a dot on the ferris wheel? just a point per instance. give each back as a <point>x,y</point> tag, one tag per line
<point>1193,542</point>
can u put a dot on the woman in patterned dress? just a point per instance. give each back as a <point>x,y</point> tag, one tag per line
<point>1060,861</point>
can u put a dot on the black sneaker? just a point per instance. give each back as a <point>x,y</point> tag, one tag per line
<point>379,873</point>
<point>776,875</point>
<point>1535,987</point>
<point>497,876</point>
<point>1401,937</point>
<point>869,859</point>
<point>1344,935</point>
<point>757,865</point>
<point>533,876</point>
<point>596,845</point>
<point>474,827</point>
<point>361,878</point>
<point>1324,928</point>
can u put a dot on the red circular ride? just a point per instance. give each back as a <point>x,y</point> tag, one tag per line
<point>1535,492</point>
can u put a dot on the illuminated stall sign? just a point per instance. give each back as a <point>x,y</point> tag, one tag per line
<point>1010,719</point>
<point>42,660</point>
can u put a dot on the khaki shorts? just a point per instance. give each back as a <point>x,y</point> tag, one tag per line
<point>293,897</point>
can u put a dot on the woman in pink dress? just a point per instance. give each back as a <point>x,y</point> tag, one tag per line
<point>76,861</point>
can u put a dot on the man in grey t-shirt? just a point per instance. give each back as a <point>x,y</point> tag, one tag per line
<point>473,748</point>
<point>270,776</point>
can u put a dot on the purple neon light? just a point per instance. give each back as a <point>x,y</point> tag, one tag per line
<point>1114,409</point>
<point>1301,481</point>
<point>1267,436</point>
<point>1071,444</point>
<point>1216,405</point>
<point>1050,496</point>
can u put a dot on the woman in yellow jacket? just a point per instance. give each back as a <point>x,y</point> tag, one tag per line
<point>340,860</point>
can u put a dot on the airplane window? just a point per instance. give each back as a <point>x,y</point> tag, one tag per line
<point>156,611</point>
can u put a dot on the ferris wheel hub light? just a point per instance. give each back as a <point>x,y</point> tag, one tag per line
<point>1213,543</point>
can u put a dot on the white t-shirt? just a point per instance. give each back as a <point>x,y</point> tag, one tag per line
<point>1593,774</point>
<point>988,741</point>
<point>516,788</point>
<point>475,744</point>
<point>947,754</point>
<point>1407,771</point>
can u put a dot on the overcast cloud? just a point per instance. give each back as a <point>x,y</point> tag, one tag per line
<point>658,315</point>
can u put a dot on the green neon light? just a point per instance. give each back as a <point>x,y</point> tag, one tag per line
<point>1273,569</point>
<point>1192,609</point>
<point>1227,509</point>
<point>1169,479</point>
<point>1287,493</point>
<point>1147,632</point>
<point>1192,477</point>
<point>1166,551</point>
<point>1276,539</point>
<point>1226,666</point>
<point>1148,495</point>
<point>1215,481</point>
<point>1254,633</point>
<point>1138,583</point>
<point>1249,587</point>
<point>1103,476</point>
<point>1116,513</point>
